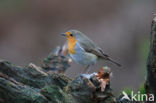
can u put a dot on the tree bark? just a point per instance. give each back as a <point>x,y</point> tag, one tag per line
<point>151,61</point>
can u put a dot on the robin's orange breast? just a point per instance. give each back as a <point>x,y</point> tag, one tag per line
<point>71,45</point>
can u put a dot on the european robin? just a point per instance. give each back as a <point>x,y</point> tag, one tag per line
<point>83,50</point>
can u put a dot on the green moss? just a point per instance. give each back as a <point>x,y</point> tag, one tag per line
<point>144,49</point>
<point>128,90</point>
<point>56,95</point>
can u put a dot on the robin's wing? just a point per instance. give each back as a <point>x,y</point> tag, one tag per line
<point>92,48</point>
<point>89,46</point>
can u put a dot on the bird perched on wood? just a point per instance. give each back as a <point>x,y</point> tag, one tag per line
<point>83,50</point>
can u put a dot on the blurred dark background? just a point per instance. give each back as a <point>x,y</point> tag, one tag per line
<point>30,30</point>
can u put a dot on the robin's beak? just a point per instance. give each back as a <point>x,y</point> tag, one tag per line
<point>63,34</point>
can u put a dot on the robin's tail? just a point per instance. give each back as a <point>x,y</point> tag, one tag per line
<point>105,56</point>
<point>111,60</point>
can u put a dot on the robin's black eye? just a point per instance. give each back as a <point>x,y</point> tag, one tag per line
<point>71,35</point>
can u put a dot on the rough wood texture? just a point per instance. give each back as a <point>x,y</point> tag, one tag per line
<point>151,61</point>
<point>32,84</point>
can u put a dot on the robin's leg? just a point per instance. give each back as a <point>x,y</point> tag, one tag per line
<point>84,71</point>
<point>87,69</point>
